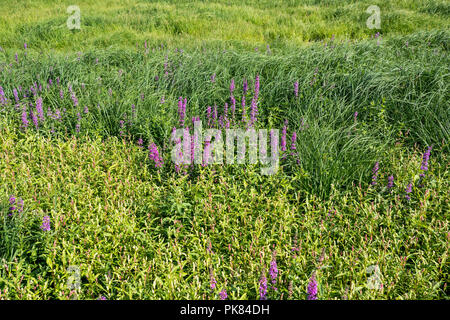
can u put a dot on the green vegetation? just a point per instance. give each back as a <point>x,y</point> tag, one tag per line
<point>366,111</point>
<point>221,23</point>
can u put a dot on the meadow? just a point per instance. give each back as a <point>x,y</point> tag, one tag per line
<point>358,209</point>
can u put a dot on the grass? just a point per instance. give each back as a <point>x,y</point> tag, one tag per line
<point>137,231</point>
<point>220,23</point>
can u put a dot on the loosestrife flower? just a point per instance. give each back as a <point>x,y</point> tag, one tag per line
<point>182,110</point>
<point>78,125</point>
<point>312,288</point>
<point>243,109</point>
<point>390,182</point>
<point>245,86</point>
<point>424,165</point>
<point>263,288</point>
<point>273,271</point>
<point>257,87</point>
<point>16,95</point>
<point>213,281</point>
<point>34,119</point>
<point>253,112</point>
<point>375,173</point>
<point>121,125</point>
<point>232,87</point>
<point>294,139</point>
<point>75,100</point>
<point>3,99</point>
<point>408,191</point>
<point>233,106</point>
<point>12,202</point>
<point>24,118</point>
<point>45,223</point>
<point>283,137</point>
<point>223,294</point>
<point>208,115</point>
<point>296,88</point>
<point>154,155</point>
<point>39,109</point>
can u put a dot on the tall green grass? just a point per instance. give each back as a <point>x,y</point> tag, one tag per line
<point>190,24</point>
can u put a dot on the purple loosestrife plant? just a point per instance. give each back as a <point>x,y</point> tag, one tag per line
<point>245,86</point>
<point>154,155</point>
<point>39,109</point>
<point>12,202</point>
<point>78,125</point>
<point>253,112</point>
<point>208,115</point>
<point>263,288</point>
<point>3,99</point>
<point>213,281</point>
<point>408,191</point>
<point>294,140</point>
<point>232,87</point>
<point>425,158</point>
<point>390,183</point>
<point>296,89</point>
<point>233,107</point>
<point>74,99</point>
<point>223,294</point>
<point>34,119</point>
<point>273,271</point>
<point>244,112</point>
<point>283,137</point>
<point>45,223</point>
<point>256,88</point>
<point>312,288</point>
<point>16,95</point>
<point>375,173</point>
<point>24,118</point>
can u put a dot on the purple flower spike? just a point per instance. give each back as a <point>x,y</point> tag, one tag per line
<point>390,182</point>
<point>24,119</point>
<point>263,288</point>
<point>294,139</point>
<point>154,155</point>
<point>312,288</point>
<point>283,138</point>
<point>45,223</point>
<point>426,157</point>
<point>375,174</point>
<point>273,271</point>
<point>408,191</point>
<point>223,294</point>
<point>245,86</point>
